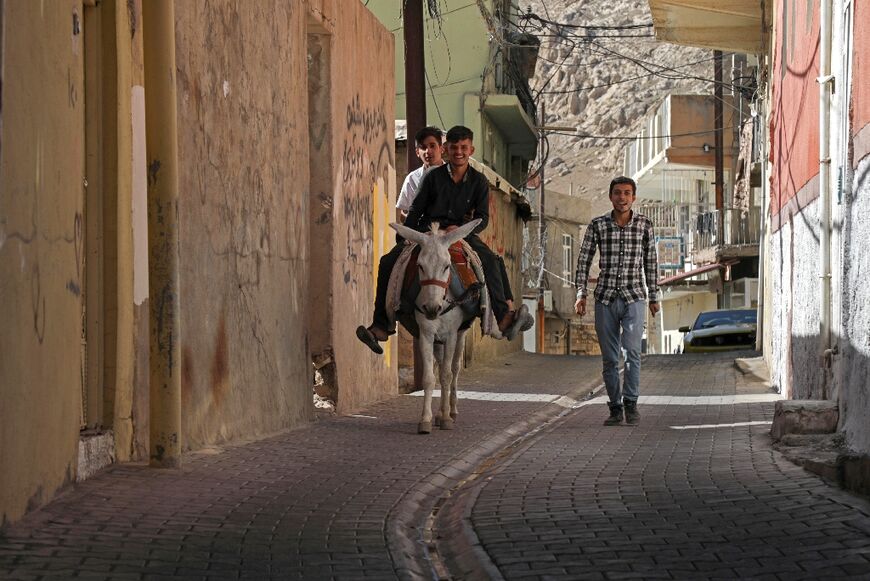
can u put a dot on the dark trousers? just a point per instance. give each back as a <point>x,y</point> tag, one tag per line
<point>388,261</point>
<point>493,269</point>
<point>496,281</point>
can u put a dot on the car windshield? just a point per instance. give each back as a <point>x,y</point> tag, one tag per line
<point>716,318</point>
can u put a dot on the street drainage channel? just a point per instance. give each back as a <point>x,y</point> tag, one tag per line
<point>452,508</point>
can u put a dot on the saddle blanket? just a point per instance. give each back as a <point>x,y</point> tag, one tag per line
<point>407,258</point>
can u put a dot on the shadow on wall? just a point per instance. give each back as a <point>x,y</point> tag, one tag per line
<point>846,382</point>
<point>804,372</point>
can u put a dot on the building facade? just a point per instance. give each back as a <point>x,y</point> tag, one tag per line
<point>282,169</point>
<point>478,64</point>
<point>814,98</point>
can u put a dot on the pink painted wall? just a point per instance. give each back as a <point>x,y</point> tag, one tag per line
<point>860,68</point>
<point>794,123</point>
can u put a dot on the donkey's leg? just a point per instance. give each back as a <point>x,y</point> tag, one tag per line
<point>446,368</point>
<point>456,364</point>
<point>438,357</point>
<point>426,358</point>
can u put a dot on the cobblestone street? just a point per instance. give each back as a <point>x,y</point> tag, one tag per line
<point>528,485</point>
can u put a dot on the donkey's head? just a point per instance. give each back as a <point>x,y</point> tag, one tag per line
<point>433,263</point>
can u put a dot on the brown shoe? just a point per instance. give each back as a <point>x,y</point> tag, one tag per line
<point>515,322</point>
<point>507,321</point>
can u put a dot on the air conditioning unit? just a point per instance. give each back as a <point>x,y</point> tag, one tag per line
<point>548,300</point>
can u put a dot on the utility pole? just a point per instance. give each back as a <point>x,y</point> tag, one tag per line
<point>719,144</point>
<point>415,109</point>
<point>541,319</point>
<point>415,75</point>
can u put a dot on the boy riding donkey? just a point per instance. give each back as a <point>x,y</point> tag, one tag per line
<point>452,195</point>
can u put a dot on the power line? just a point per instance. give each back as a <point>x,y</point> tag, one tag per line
<point>627,138</point>
<point>633,26</point>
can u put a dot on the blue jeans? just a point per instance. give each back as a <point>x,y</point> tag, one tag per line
<point>629,318</point>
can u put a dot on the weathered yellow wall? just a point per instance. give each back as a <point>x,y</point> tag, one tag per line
<point>41,202</point>
<point>364,200</point>
<point>243,213</point>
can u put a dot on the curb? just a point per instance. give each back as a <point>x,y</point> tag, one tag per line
<point>410,533</point>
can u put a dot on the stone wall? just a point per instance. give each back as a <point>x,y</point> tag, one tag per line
<point>364,199</point>
<point>42,161</point>
<point>243,208</point>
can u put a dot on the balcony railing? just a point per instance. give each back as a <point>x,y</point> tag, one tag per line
<point>726,227</point>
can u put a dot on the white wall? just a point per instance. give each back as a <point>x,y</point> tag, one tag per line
<point>794,276</point>
<point>853,364</point>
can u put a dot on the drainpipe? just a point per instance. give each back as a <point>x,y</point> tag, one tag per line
<point>158,25</point>
<point>825,81</point>
<point>762,232</point>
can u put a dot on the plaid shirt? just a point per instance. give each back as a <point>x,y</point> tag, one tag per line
<point>628,257</point>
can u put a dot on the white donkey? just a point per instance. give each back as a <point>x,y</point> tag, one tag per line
<point>438,318</point>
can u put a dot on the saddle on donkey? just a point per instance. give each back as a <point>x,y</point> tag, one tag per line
<point>466,282</point>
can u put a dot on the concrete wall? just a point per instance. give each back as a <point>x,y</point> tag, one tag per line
<point>794,261</point>
<point>853,367</point>
<point>41,250</point>
<point>243,156</point>
<point>364,194</point>
<point>854,364</point>
<point>693,113</point>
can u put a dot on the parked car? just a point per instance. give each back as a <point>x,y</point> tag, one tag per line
<point>724,330</point>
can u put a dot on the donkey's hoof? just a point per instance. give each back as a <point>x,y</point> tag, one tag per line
<point>446,423</point>
<point>424,428</point>
<point>454,415</point>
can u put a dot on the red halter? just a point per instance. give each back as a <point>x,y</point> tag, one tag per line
<point>435,282</point>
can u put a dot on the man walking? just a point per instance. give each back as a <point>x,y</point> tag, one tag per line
<point>627,259</point>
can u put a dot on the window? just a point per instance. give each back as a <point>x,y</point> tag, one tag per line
<point>567,259</point>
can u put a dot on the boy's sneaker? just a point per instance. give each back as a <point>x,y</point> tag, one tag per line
<point>615,417</point>
<point>632,416</point>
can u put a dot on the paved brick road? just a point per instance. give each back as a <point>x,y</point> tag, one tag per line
<point>584,501</point>
<point>340,499</point>
<point>347,498</point>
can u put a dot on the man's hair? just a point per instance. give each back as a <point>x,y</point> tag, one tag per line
<point>623,180</point>
<point>458,133</point>
<point>430,131</point>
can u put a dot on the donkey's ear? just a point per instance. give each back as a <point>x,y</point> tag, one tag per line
<point>408,233</point>
<point>461,232</point>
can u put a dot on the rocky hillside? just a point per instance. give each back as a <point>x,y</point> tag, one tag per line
<point>603,83</point>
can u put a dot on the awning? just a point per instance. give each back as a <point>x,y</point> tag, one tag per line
<point>700,270</point>
<point>506,113</point>
<point>729,25</point>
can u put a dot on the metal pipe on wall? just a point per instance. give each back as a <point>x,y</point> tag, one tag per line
<point>158,23</point>
<point>825,81</point>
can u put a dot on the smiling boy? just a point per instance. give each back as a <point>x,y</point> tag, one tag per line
<point>626,243</point>
<point>428,147</point>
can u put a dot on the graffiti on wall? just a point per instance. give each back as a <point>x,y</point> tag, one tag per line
<point>366,166</point>
<point>367,159</point>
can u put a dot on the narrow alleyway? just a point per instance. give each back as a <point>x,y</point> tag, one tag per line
<point>350,497</point>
